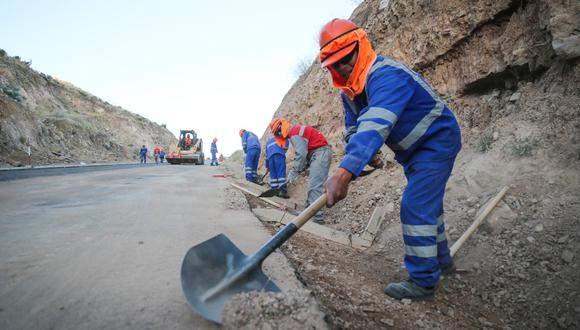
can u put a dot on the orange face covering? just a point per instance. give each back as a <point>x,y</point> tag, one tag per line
<point>285,131</point>
<point>355,84</point>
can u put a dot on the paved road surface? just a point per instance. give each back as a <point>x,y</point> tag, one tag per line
<point>7,174</point>
<point>103,250</point>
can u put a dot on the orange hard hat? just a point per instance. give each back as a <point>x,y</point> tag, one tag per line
<point>274,125</point>
<point>242,132</point>
<point>280,127</point>
<point>331,31</point>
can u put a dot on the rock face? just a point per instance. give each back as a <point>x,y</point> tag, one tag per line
<point>476,54</point>
<point>64,124</point>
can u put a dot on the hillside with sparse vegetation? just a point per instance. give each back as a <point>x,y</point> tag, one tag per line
<point>65,124</point>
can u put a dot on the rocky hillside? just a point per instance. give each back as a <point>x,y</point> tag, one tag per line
<point>510,72</point>
<point>63,123</point>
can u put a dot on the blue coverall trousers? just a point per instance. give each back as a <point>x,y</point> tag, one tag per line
<point>426,249</point>
<point>214,160</point>
<point>277,167</point>
<point>252,158</point>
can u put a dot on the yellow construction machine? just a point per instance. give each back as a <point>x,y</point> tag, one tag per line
<point>189,149</point>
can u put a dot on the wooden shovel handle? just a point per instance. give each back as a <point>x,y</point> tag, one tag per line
<point>310,211</point>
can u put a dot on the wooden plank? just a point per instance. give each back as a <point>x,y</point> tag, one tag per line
<point>255,190</point>
<point>276,199</point>
<point>253,193</point>
<point>477,221</point>
<point>275,215</point>
<point>375,221</point>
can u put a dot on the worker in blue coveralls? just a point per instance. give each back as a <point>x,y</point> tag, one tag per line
<point>143,154</point>
<point>385,102</point>
<point>251,146</point>
<point>276,164</point>
<point>213,149</point>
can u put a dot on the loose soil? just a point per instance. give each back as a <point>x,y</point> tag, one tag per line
<point>517,270</point>
<point>285,311</point>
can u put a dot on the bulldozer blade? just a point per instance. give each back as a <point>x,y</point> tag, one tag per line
<point>270,192</point>
<point>214,271</point>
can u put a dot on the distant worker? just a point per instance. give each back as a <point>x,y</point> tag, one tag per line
<point>156,152</point>
<point>251,146</point>
<point>143,154</point>
<point>311,149</point>
<point>221,159</point>
<point>214,161</point>
<point>162,155</point>
<point>188,142</point>
<point>385,102</point>
<point>276,165</point>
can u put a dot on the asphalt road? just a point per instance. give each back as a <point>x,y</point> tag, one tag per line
<point>7,174</point>
<point>103,249</point>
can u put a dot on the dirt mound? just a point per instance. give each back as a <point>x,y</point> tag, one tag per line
<point>285,311</point>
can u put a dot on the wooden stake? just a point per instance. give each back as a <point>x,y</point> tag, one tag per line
<point>478,221</point>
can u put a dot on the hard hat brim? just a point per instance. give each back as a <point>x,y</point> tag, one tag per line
<point>338,55</point>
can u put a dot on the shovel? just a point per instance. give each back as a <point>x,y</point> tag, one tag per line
<point>215,270</point>
<point>260,181</point>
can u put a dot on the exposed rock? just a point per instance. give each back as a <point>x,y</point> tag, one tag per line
<point>567,256</point>
<point>515,96</point>
<point>564,25</point>
<point>388,322</point>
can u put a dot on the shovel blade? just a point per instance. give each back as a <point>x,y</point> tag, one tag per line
<point>211,263</point>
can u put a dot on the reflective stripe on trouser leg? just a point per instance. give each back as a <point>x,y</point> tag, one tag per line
<point>319,166</point>
<point>277,164</point>
<point>252,158</point>
<point>421,208</point>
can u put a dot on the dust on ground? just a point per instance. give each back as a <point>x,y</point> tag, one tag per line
<point>268,310</point>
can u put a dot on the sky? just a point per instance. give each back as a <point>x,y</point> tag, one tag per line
<point>213,66</point>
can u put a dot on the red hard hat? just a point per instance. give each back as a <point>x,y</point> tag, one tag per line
<point>332,30</point>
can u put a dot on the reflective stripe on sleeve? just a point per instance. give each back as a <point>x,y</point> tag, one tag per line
<point>380,113</point>
<point>382,129</point>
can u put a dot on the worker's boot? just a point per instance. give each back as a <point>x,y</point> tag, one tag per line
<point>447,270</point>
<point>283,194</point>
<point>408,290</point>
